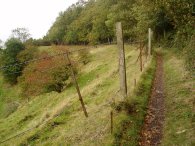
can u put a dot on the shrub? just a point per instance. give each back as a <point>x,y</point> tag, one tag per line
<point>13,48</point>
<point>1,57</point>
<point>46,75</point>
<point>28,53</point>
<point>10,108</point>
<point>84,56</point>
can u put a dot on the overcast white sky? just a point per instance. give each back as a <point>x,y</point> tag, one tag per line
<point>36,15</point>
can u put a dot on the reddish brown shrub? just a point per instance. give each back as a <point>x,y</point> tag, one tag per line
<point>46,75</point>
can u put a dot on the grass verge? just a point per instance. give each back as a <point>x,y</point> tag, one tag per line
<point>179,99</point>
<point>8,99</point>
<point>130,114</point>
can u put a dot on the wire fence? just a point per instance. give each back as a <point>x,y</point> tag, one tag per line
<point>2,68</point>
<point>41,58</point>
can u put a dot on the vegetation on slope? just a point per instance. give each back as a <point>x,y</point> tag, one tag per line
<point>58,118</point>
<point>9,57</point>
<point>131,113</point>
<point>179,118</point>
<point>9,98</point>
<point>93,21</point>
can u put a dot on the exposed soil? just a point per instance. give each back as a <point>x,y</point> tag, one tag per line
<point>152,130</point>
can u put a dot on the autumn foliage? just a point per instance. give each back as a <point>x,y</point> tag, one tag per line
<point>46,75</point>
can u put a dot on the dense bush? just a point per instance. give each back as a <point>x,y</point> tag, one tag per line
<point>42,42</point>
<point>30,52</point>
<point>84,56</point>
<point>43,76</point>
<point>10,108</point>
<point>11,72</point>
<point>93,21</point>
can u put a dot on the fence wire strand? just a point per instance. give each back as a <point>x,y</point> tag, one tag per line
<point>44,58</point>
<point>117,93</point>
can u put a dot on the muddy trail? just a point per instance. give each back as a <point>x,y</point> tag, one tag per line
<point>152,130</point>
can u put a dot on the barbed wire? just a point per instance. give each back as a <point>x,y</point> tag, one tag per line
<point>32,60</point>
<point>28,130</point>
<point>46,122</point>
<point>2,68</point>
<point>17,135</point>
<point>116,93</point>
<point>136,42</point>
<point>47,57</point>
<point>43,58</point>
<point>36,70</point>
<point>43,70</point>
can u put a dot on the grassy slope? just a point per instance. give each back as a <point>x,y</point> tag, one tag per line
<point>130,119</point>
<point>8,98</point>
<point>179,100</point>
<point>99,83</point>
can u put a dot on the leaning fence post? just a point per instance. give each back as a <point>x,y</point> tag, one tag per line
<point>77,86</point>
<point>149,41</point>
<point>122,66</point>
<point>111,121</point>
<point>141,61</point>
<point>135,82</point>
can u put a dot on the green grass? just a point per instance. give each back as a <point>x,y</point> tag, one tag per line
<point>9,98</point>
<point>44,48</point>
<point>131,113</point>
<point>59,117</point>
<point>179,128</point>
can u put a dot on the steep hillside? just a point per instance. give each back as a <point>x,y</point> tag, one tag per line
<point>9,98</point>
<point>57,118</point>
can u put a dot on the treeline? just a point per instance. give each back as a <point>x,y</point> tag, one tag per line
<point>93,21</point>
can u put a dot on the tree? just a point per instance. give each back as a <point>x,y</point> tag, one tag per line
<point>100,33</point>
<point>21,33</point>
<point>82,23</point>
<point>122,11</point>
<point>29,53</point>
<point>39,77</point>
<point>1,55</point>
<point>1,43</point>
<point>1,52</point>
<point>59,29</point>
<point>93,21</point>
<point>11,71</point>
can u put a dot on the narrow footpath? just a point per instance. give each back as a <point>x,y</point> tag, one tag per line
<point>152,130</point>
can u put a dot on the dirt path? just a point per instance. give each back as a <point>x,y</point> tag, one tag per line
<point>151,133</point>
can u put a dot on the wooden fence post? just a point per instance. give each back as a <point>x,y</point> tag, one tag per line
<point>149,41</point>
<point>141,61</point>
<point>146,54</point>
<point>77,86</point>
<point>135,82</point>
<point>111,121</point>
<point>122,66</point>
